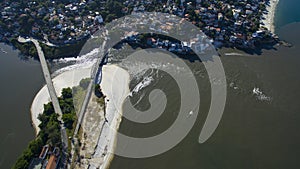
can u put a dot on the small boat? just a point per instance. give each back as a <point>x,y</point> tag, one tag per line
<point>256,91</point>
<point>190,114</point>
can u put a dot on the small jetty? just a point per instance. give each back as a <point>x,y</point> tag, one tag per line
<point>285,44</point>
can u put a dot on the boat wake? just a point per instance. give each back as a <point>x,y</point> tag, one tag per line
<point>260,95</point>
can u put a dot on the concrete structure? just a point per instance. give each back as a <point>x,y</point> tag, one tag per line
<point>53,96</point>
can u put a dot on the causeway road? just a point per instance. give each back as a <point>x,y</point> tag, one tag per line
<point>51,91</point>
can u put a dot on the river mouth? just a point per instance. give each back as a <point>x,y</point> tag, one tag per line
<point>259,128</point>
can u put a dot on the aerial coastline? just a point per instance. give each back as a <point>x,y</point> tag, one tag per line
<point>114,99</point>
<point>114,112</point>
<point>43,97</point>
<point>254,92</point>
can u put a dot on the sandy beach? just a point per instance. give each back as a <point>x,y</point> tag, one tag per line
<point>100,123</point>
<point>268,18</point>
<point>66,79</point>
<point>115,86</point>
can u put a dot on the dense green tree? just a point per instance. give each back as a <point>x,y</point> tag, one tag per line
<point>48,109</point>
<point>69,120</point>
<point>67,93</point>
<point>36,145</point>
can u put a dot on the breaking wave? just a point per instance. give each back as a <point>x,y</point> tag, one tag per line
<point>144,83</point>
<point>144,73</point>
<point>84,61</point>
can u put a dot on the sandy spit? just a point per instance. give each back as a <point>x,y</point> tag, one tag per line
<point>115,86</point>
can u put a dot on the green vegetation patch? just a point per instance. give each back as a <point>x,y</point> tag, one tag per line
<point>50,129</point>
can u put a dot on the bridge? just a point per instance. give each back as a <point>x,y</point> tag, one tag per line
<point>54,99</point>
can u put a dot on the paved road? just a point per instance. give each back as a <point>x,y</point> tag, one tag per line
<point>83,108</point>
<point>90,88</point>
<point>52,92</point>
<point>96,68</point>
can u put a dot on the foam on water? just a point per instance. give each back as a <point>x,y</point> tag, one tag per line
<point>83,58</point>
<point>234,54</point>
<point>137,69</point>
<point>144,83</point>
<point>83,61</point>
